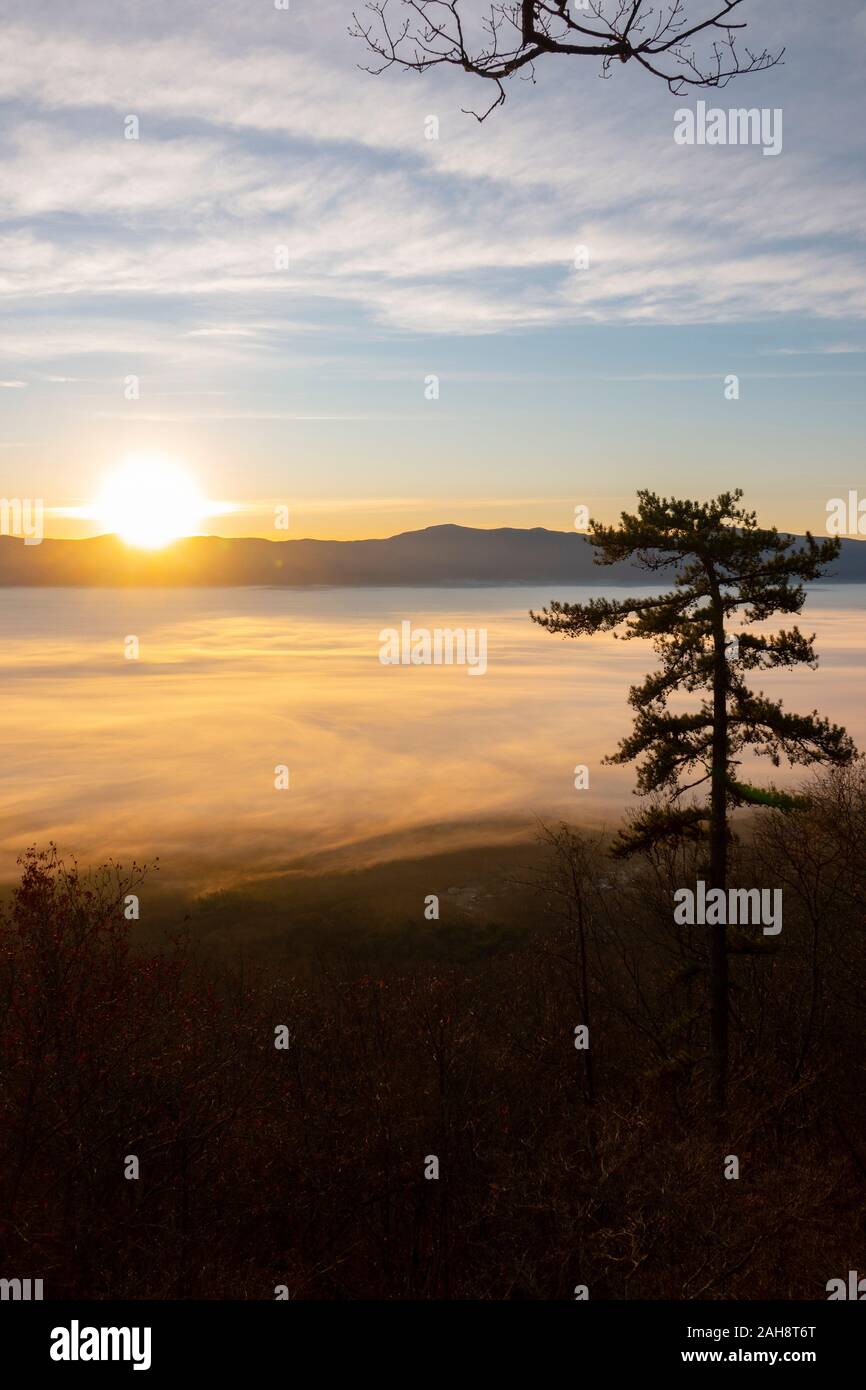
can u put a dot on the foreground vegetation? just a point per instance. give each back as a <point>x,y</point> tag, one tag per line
<point>305,1167</point>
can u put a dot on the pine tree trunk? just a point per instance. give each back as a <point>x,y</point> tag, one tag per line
<point>719,860</point>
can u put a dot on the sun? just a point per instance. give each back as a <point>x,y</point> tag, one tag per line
<point>149,502</point>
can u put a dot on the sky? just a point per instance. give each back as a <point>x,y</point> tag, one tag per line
<point>305,385</point>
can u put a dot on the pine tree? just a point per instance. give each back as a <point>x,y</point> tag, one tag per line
<point>722,565</point>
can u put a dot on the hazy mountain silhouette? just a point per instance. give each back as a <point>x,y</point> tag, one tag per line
<point>447,555</point>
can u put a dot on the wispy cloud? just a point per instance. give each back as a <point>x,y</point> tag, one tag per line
<point>285,140</point>
<point>281,259</point>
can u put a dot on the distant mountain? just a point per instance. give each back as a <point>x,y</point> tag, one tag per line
<point>446,555</point>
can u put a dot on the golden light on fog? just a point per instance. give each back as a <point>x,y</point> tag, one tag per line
<point>149,501</point>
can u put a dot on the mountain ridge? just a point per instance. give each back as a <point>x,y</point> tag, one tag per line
<point>443,555</point>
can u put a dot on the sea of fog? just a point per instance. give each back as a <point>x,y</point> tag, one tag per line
<point>174,753</point>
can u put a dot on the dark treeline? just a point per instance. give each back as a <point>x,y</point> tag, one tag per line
<point>305,1167</point>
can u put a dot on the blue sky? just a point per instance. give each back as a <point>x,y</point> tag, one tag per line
<point>410,257</point>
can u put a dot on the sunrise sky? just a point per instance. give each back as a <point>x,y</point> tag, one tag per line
<point>411,257</point>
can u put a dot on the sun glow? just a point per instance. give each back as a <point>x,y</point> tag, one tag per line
<point>149,502</point>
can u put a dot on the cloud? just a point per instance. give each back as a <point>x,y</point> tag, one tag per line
<point>263,132</point>
<point>818,350</point>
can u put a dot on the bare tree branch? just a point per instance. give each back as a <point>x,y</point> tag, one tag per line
<point>509,36</point>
